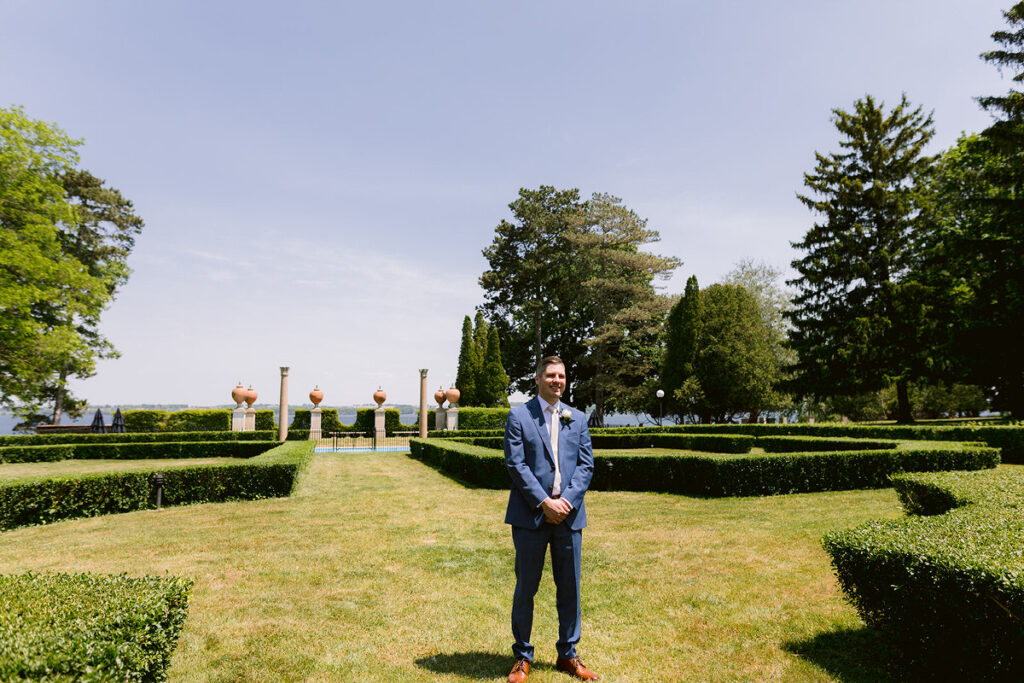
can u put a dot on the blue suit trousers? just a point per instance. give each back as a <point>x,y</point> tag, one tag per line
<point>531,546</point>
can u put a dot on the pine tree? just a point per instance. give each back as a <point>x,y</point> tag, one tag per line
<point>469,366</point>
<point>858,319</point>
<point>492,385</point>
<point>682,329</point>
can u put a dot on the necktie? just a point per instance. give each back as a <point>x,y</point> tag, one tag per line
<point>557,488</point>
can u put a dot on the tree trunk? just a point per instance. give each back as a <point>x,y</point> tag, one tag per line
<point>903,414</point>
<point>58,400</point>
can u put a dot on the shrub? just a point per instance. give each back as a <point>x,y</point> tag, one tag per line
<point>948,589</point>
<point>482,418</point>
<point>36,453</point>
<point>796,444</point>
<point>1008,438</point>
<point>89,627</point>
<point>468,463</point>
<point>145,420</point>
<point>114,450</point>
<point>181,449</point>
<point>144,437</point>
<point>936,493</point>
<point>213,420</point>
<point>718,443</point>
<point>717,475</point>
<point>265,421</point>
<point>364,423</point>
<point>40,501</point>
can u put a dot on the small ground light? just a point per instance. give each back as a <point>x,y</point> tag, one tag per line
<point>159,481</point>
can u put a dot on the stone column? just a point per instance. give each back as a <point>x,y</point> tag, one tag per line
<point>314,423</point>
<point>440,419</point>
<point>452,418</point>
<point>250,419</point>
<point>379,432</point>
<point>282,415</point>
<point>238,419</point>
<point>423,403</point>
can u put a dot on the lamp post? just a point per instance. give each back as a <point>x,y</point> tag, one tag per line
<point>661,405</point>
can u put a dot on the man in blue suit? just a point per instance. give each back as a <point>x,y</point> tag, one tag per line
<point>551,462</point>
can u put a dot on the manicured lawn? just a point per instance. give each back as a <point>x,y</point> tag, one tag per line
<point>381,569</point>
<point>24,470</point>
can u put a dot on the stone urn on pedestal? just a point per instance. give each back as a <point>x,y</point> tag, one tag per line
<point>315,397</point>
<point>439,414</point>
<point>452,417</point>
<point>238,395</point>
<point>250,412</point>
<point>379,431</point>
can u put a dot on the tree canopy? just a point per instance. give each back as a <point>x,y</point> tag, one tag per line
<point>858,318</point>
<point>64,241</point>
<point>569,277</point>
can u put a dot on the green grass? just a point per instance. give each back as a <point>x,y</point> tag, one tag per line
<point>30,470</point>
<point>378,568</point>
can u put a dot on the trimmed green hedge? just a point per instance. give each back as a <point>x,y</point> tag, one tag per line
<point>1008,438</point>
<point>36,453</point>
<point>949,588</point>
<point>89,627</point>
<point>144,420</point>
<point>211,420</point>
<point>41,501</point>
<point>718,443</point>
<point>797,444</point>
<point>936,493</point>
<point>136,451</point>
<point>143,437</point>
<point>329,421</point>
<point>265,421</point>
<point>721,475</point>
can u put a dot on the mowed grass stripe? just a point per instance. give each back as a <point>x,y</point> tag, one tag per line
<point>380,569</point>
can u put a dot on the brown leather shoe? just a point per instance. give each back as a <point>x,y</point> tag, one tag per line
<point>519,671</point>
<point>573,666</point>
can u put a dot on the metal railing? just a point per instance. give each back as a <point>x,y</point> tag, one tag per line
<point>364,441</point>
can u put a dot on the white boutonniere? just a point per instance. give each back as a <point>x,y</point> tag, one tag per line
<point>566,416</point>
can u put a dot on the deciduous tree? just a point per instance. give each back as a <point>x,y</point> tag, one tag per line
<point>36,272</point>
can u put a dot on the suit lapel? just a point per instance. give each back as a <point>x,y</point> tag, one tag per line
<point>542,431</point>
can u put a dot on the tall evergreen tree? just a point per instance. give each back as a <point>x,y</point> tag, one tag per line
<point>858,318</point>
<point>568,277</point>
<point>531,287</point>
<point>978,248</point>
<point>469,366</point>
<point>492,384</point>
<point>682,329</point>
<point>628,312</point>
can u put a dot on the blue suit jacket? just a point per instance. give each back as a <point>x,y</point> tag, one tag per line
<point>532,467</point>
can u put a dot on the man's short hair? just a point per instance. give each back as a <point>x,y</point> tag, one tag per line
<point>545,362</point>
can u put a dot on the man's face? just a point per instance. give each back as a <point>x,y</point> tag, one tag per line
<point>551,382</point>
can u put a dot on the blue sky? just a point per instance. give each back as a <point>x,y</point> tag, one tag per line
<point>318,179</point>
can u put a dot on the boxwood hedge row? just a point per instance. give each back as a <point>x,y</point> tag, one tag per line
<point>718,443</point>
<point>89,627</point>
<point>136,437</point>
<point>136,451</point>
<point>44,500</point>
<point>948,588</point>
<point>1008,438</point>
<point>718,475</point>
